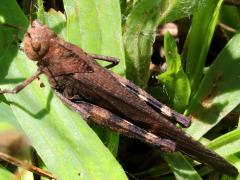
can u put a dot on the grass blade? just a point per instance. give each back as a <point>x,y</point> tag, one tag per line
<point>217,93</point>
<point>95,26</point>
<point>5,174</point>
<point>199,39</point>
<point>139,32</point>
<point>177,163</point>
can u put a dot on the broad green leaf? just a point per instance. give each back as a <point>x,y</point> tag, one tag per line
<point>203,25</point>
<point>174,79</point>
<point>139,32</point>
<point>216,96</point>
<point>4,126</point>
<point>56,21</point>
<point>7,118</point>
<point>95,26</point>
<point>65,143</point>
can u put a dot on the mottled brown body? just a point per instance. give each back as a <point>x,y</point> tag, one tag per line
<point>109,99</point>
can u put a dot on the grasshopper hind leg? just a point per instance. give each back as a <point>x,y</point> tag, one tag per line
<point>111,121</point>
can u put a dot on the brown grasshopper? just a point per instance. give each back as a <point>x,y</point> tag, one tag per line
<point>108,99</point>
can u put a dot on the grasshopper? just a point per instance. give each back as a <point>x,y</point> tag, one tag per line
<point>108,99</point>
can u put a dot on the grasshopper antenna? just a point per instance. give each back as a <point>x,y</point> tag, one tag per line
<point>16,40</point>
<point>11,26</point>
<point>30,12</point>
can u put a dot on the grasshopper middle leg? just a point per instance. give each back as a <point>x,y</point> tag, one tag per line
<point>114,61</point>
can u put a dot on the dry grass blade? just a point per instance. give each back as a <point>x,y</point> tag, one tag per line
<point>26,166</point>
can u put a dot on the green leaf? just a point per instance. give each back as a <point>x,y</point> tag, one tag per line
<point>199,39</point>
<point>7,118</point>
<point>95,26</point>
<point>218,90</point>
<point>139,34</point>
<point>174,79</point>
<point>230,17</point>
<point>228,146</point>
<point>5,174</point>
<point>40,11</point>
<point>56,21</point>
<point>65,143</point>
<point>181,168</point>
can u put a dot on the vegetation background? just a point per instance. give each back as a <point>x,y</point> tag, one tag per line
<point>201,81</point>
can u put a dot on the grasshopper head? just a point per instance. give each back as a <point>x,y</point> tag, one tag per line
<point>37,40</point>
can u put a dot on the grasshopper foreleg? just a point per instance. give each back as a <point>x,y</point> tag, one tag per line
<point>21,86</point>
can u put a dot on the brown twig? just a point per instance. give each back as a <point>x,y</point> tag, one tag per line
<point>26,166</point>
<point>227,28</point>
